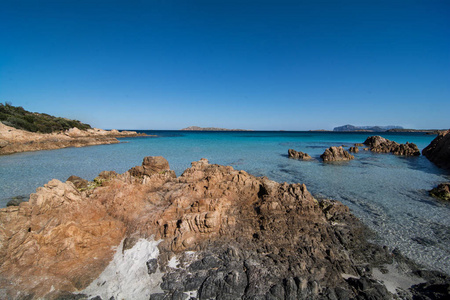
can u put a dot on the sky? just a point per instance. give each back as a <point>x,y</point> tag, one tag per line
<point>261,65</point>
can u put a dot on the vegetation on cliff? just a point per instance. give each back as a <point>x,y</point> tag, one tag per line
<point>18,117</point>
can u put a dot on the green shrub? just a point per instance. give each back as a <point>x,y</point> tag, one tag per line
<point>18,117</point>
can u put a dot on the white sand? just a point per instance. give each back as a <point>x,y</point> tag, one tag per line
<point>126,277</point>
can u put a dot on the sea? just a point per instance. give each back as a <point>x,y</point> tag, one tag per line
<point>388,193</point>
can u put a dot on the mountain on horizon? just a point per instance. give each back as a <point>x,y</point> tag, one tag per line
<point>349,127</point>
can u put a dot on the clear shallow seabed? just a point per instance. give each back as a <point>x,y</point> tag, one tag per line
<point>387,192</point>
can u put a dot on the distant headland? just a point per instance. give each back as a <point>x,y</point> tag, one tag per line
<point>389,128</point>
<point>197,128</point>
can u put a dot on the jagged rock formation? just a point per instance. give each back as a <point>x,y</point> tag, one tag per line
<point>222,234</point>
<point>333,154</point>
<point>381,145</point>
<point>353,149</point>
<point>438,151</point>
<point>442,191</point>
<point>298,155</point>
<point>14,140</point>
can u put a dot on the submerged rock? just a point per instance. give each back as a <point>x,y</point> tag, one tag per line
<point>15,201</point>
<point>438,151</point>
<point>336,154</point>
<point>216,233</point>
<point>353,149</point>
<point>381,145</point>
<point>298,155</point>
<point>442,191</point>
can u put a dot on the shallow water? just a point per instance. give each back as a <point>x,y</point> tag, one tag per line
<point>387,192</point>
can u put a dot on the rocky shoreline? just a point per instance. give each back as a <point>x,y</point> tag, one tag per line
<point>14,140</point>
<point>211,233</point>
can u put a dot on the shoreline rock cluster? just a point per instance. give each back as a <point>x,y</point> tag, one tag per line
<point>376,144</point>
<point>221,234</point>
<point>438,151</point>
<point>14,140</point>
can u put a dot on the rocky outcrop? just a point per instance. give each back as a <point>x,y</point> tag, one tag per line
<point>298,155</point>
<point>334,154</point>
<point>353,149</point>
<point>438,151</point>
<point>381,145</point>
<point>14,140</point>
<point>442,191</point>
<point>221,234</point>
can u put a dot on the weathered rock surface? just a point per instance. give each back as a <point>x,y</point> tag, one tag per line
<point>14,140</point>
<point>353,149</point>
<point>298,155</point>
<point>336,154</point>
<point>438,151</point>
<point>223,234</point>
<point>442,191</point>
<point>78,182</point>
<point>381,145</point>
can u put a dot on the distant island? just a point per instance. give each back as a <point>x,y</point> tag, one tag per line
<point>197,128</point>
<point>366,128</point>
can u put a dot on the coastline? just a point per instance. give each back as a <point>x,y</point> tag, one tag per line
<point>14,140</point>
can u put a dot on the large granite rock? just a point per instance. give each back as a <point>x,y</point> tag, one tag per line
<point>381,145</point>
<point>333,154</point>
<point>298,155</point>
<point>438,151</point>
<point>151,165</point>
<point>220,234</point>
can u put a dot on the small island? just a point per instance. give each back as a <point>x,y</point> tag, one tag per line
<point>197,128</point>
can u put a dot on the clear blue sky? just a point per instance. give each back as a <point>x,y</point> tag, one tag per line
<point>292,65</point>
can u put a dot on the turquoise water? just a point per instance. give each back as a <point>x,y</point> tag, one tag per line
<point>387,192</point>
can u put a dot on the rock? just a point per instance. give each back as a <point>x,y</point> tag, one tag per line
<point>359,145</point>
<point>14,140</point>
<point>78,182</point>
<point>438,151</point>
<point>15,201</point>
<point>298,155</point>
<point>381,145</point>
<point>353,149</point>
<point>152,265</point>
<point>222,234</point>
<point>442,191</point>
<point>151,165</point>
<point>336,154</point>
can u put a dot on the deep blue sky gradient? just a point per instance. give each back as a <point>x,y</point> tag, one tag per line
<point>264,65</point>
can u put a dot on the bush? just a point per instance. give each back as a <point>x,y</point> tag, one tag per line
<point>20,118</point>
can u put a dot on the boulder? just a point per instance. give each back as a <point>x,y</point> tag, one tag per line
<point>15,201</point>
<point>438,151</point>
<point>336,154</point>
<point>442,191</point>
<point>298,155</point>
<point>353,149</point>
<point>78,182</point>
<point>151,165</point>
<point>380,144</point>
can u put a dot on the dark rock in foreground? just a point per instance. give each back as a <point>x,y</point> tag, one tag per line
<point>15,201</point>
<point>438,151</point>
<point>442,191</point>
<point>298,155</point>
<point>336,154</point>
<point>381,145</point>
